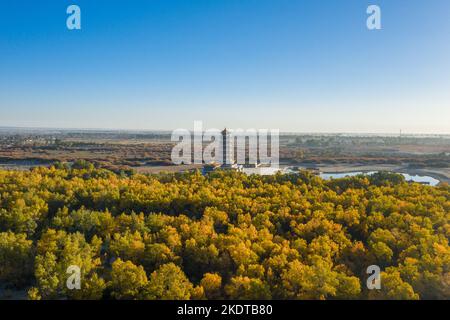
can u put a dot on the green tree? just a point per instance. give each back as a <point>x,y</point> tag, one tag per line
<point>56,252</point>
<point>245,288</point>
<point>212,285</point>
<point>169,282</point>
<point>16,258</point>
<point>128,281</point>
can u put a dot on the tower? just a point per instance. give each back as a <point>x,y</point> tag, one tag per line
<point>227,148</point>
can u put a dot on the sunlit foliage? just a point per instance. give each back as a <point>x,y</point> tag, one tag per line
<point>221,236</point>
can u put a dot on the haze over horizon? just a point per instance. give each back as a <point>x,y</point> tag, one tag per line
<point>299,66</point>
<point>76,129</point>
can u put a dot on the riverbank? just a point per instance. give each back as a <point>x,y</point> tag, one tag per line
<point>441,174</point>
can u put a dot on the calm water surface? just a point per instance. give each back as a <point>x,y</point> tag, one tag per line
<point>416,178</point>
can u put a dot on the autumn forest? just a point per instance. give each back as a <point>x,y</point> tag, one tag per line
<point>224,235</point>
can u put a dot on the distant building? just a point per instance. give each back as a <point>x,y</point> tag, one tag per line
<point>228,161</point>
<point>227,149</point>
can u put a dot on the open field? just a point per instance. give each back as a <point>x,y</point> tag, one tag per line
<point>150,152</point>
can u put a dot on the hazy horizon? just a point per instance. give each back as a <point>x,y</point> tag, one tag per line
<point>168,131</point>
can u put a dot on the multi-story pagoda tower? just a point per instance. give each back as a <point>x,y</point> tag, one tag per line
<point>227,149</point>
<point>225,155</point>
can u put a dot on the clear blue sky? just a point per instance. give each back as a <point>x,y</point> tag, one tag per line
<point>308,66</point>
